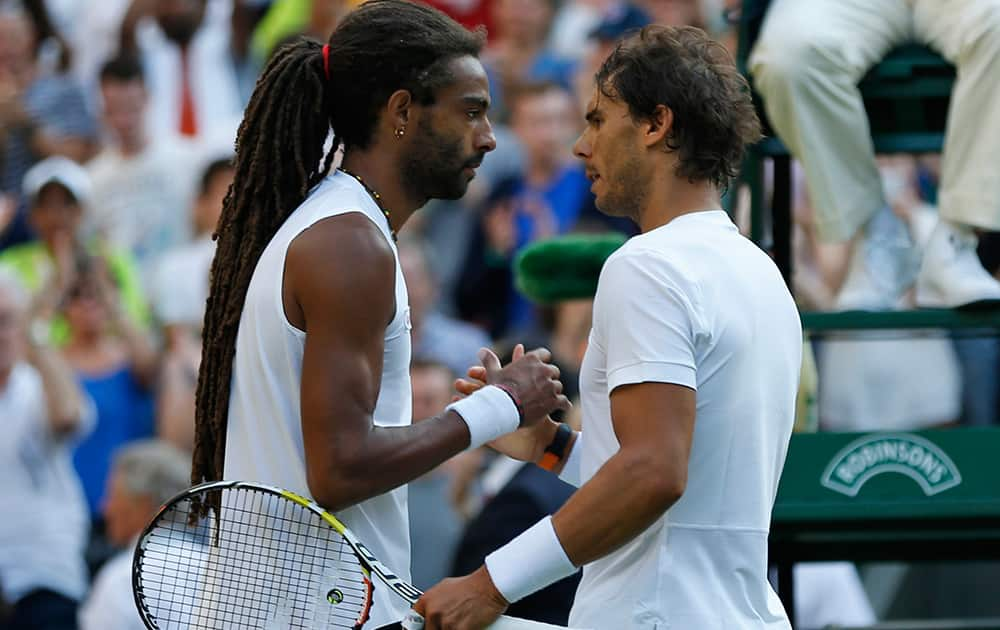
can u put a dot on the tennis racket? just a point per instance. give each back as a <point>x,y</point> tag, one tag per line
<point>267,558</point>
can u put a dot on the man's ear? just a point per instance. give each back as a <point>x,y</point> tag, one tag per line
<point>398,111</point>
<point>658,126</point>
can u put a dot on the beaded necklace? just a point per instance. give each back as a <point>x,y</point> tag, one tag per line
<point>377,197</point>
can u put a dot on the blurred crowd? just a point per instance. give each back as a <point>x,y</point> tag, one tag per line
<point>117,124</point>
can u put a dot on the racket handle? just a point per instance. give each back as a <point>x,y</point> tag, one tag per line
<point>413,621</point>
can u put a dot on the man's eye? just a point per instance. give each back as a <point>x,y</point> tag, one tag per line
<point>472,114</point>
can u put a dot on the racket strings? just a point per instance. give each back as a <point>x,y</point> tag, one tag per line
<point>276,565</point>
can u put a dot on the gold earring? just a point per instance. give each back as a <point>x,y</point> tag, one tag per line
<point>400,132</point>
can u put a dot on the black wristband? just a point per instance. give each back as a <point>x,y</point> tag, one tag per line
<point>561,440</point>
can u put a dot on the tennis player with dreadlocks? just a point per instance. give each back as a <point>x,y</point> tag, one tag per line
<point>304,381</point>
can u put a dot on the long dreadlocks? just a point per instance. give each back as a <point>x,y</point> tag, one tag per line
<point>383,46</point>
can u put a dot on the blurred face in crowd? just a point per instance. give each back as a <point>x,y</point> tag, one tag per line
<point>180,19</point>
<point>450,137</point>
<point>610,149</point>
<point>11,330</point>
<point>55,214</point>
<point>431,389</point>
<point>85,308</point>
<point>208,207</point>
<point>523,21</point>
<point>544,123</point>
<point>125,513</point>
<point>17,41</point>
<point>674,12</point>
<point>125,109</point>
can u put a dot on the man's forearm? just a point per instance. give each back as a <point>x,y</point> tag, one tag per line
<point>389,457</point>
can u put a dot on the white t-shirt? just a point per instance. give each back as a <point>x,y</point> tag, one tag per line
<point>264,440</point>
<point>696,304</point>
<point>141,203</point>
<point>213,83</point>
<point>45,523</point>
<point>179,285</point>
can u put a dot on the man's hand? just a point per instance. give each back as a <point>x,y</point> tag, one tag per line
<point>532,378</point>
<point>528,443</point>
<point>466,603</point>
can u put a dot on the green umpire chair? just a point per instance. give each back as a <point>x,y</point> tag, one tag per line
<point>906,97</point>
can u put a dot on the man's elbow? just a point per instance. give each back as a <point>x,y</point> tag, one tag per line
<point>337,488</point>
<point>661,483</point>
<point>666,489</point>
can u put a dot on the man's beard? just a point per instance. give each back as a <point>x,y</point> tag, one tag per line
<point>433,169</point>
<point>625,197</point>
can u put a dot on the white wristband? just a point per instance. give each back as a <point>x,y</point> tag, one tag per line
<point>489,412</point>
<point>571,469</point>
<point>530,562</point>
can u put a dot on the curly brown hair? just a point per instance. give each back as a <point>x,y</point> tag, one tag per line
<point>694,76</point>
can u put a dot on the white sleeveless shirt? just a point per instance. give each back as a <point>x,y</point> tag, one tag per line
<point>264,435</point>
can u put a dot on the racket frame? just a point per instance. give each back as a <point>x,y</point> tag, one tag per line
<point>369,563</point>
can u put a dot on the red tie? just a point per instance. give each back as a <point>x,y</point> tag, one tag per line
<point>189,124</point>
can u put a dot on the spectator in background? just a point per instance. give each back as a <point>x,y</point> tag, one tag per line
<point>619,21</point>
<point>676,12</point>
<point>57,191</point>
<point>52,49</point>
<point>180,282</point>
<point>145,475</point>
<point>484,290</point>
<point>807,62</point>
<point>287,18</point>
<point>574,20</point>
<point>40,114</point>
<point>185,48</point>
<point>434,524</point>
<point>514,496</point>
<point>178,293</point>
<point>548,199</point>
<point>519,51</point>
<point>43,531</point>
<point>434,335</point>
<point>116,365</point>
<point>517,496</point>
<point>469,13</point>
<point>247,14</point>
<point>142,183</point>
<point>448,225</point>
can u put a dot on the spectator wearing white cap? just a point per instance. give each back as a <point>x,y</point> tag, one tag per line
<point>145,475</point>
<point>58,191</point>
<point>43,413</point>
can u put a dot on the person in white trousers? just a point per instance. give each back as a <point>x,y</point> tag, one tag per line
<point>806,65</point>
